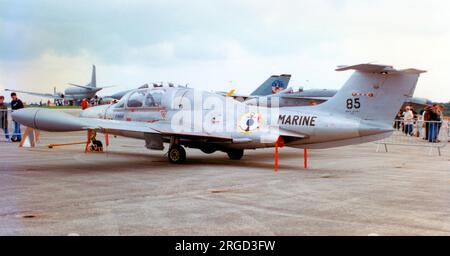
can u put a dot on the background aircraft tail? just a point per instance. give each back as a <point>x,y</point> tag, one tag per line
<point>272,85</point>
<point>373,92</point>
<point>91,85</point>
<point>93,82</point>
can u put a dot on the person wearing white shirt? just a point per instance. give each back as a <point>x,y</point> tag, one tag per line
<point>408,120</point>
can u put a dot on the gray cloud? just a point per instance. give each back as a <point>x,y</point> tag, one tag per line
<point>113,30</point>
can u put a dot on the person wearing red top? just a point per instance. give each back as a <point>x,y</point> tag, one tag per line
<point>84,104</point>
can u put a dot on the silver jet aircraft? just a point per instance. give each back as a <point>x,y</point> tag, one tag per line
<point>362,111</point>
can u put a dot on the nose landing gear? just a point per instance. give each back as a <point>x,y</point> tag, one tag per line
<point>92,144</point>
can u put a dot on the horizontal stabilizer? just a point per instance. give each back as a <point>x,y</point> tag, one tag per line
<point>375,68</point>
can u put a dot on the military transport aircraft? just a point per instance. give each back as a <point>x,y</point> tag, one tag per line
<point>362,111</point>
<point>74,93</point>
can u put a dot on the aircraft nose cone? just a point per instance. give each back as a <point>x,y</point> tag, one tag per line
<point>25,116</point>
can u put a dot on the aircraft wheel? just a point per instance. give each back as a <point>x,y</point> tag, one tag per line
<point>235,154</point>
<point>177,154</point>
<point>207,150</point>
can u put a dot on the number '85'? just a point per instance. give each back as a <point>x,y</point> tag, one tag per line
<point>353,103</point>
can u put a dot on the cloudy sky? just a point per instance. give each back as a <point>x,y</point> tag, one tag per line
<point>219,45</point>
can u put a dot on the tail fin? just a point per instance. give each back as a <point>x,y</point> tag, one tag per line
<point>93,82</point>
<point>272,85</point>
<point>373,92</point>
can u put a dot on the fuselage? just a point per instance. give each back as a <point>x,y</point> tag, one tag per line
<point>76,93</point>
<point>249,126</point>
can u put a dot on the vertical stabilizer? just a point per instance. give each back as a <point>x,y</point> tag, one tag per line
<point>272,85</point>
<point>93,82</point>
<point>373,92</point>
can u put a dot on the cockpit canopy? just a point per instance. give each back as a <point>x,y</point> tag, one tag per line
<point>145,98</point>
<point>163,97</point>
<point>149,98</point>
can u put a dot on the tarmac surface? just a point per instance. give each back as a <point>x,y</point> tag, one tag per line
<point>130,190</point>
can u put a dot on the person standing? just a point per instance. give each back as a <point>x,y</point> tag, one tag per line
<point>95,100</point>
<point>440,118</point>
<point>15,105</point>
<point>398,120</point>
<point>434,120</point>
<point>426,121</point>
<point>408,119</point>
<point>84,104</point>
<point>4,117</point>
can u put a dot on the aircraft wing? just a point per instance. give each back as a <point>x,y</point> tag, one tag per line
<point>58,121</point>
<point>164,129</point>
<point>46,95</point>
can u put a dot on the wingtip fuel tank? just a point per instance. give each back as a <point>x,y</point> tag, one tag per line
<point>48,120</point>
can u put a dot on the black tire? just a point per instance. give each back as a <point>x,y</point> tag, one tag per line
<point>177,154</point>
<point>235,154</point>
<point>96,146</point>
<point>208,150</point>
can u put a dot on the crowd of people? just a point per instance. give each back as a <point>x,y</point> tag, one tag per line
<point>96,101</point>
<point>428,122</point>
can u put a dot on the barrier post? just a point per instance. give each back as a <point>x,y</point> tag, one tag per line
<point>275,167</point>
<point>305,158</point>
<point>106,137</point>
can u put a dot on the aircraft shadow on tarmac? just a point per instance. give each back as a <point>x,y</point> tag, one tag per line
<point>252,161</point>
<point>116,161</point>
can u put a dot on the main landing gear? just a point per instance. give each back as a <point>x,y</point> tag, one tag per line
<point>235,154</point>
<point>176,154</point>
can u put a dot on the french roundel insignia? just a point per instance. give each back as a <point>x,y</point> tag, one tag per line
<point>249,122</point>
